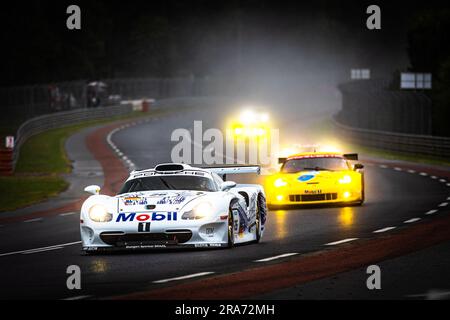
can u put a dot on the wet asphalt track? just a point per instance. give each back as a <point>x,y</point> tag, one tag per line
<point>392,198</point>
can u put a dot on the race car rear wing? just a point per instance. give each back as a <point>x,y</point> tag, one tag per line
<point>351,156</point>
<point>234,169</point>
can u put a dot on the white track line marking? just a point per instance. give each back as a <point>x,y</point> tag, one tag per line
<point>36,249</point>
<point>432,294</point>
<point>431,212</point>
<point>42,250</point>
<point>33,220</point>
<point>67,214</point>
<point>277,257</point>
<point>383,166</point>
<point>448,198</point>
<point>341,241</point>
<point>423,174</point>
<point>442,180</point>
<point>190,276</point>
<point>76,298</point>
<point>412,171</point>
<point>398,169</point>
<point>412,220</point>
<point>384,230</point>
<point>443,204</point>
<point>433,177</point>
<point>448,184</point>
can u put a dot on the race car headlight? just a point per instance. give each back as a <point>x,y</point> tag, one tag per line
<point>202,210</point>
<point>280,183</point>
<point>238,131</point>
<point>345,180</point>
<point>98,213</point>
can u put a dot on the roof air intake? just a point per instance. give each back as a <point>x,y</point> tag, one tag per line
<point>169,167</point>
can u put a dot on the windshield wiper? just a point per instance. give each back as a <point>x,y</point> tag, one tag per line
<point>168,186</point>
<point>318,169</point>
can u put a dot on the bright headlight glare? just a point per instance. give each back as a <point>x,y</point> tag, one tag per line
<point>98,213</point>
<point>202,210</point>
<point>247,117</point>
<point>280,183</point>
<point>345,180</point>
<point>264,117</point>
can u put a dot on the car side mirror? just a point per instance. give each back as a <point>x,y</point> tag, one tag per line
<point>94,190</point>
<point>227,185</point>
<point>358,166</point>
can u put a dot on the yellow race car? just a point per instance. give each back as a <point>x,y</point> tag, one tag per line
<point>316,178</point>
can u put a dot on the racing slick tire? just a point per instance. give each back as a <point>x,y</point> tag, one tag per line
<point>230,228</point>
<point>363,192</point>
<point>261,202</point>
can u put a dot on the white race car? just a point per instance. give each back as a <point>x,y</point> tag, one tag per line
<point>175,205</point>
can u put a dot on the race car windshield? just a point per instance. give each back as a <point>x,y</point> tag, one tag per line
<point>314,164</point>
<point>185,183</point>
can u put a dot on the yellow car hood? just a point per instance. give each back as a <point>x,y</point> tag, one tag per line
<point>316,177</point>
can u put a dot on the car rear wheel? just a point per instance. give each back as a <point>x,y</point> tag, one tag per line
<point>230,229</point>
<point>258,224</point>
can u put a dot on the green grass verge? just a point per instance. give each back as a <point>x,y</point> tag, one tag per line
<point>17,192</point>
<point>42,161</point>
<point>44,153</point>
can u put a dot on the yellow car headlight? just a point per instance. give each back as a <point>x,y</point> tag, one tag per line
<point>280,183</point>
<point>238,131</point>
<point>345,180</point>
<point>98,213</point>
<point>202,210</point>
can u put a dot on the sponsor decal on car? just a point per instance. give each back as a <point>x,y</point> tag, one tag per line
<point>143,217</point>
<point>313,191</point>
<point>146,246</point>
<point>134,201</point>
<point>208,245</point>
<point>172,199</point>
<point>306,177</point>
<point>210,232</point>
<point>157,195</point>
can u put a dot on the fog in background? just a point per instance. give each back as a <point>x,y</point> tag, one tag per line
<point>286,54</point>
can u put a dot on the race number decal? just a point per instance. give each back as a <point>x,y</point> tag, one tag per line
<point>144,227</point>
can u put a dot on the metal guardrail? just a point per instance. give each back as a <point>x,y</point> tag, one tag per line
<point>9,158</point>
<point>393,141</point>
<point>62,119</point>
<point>26,102</point>
<point>373,105</point>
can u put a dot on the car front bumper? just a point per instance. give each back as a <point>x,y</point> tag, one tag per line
<point>181,234</point>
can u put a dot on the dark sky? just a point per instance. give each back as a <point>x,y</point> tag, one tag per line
<point>185,37</point>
